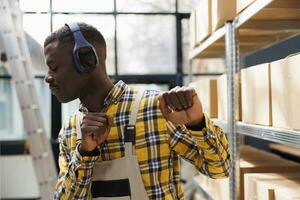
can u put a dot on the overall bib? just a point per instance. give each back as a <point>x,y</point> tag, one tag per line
<point>119,179</point>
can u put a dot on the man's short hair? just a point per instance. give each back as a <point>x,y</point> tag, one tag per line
<point>64,35</point>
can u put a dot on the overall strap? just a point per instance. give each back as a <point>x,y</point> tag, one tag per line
<point>130,128</point>
<point>78,128</point>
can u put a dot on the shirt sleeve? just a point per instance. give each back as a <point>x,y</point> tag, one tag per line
<point>75,172</point>
<point>207,150</point>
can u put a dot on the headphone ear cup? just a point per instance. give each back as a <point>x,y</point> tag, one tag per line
<point>87,58</point>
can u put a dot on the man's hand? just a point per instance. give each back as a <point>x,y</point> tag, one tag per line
<point>95,128</point>
<point>181,105</point>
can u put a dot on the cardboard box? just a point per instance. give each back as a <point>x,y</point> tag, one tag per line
<point>286,194</point>
<point>264,187</point>
<point>222,11</point>
<point>222,98</point>
<point>193,29</point>
<point>207,92</point>
<point>242,4</point>
<point>203,20</point>
<point>251,181</point>
<point>218,189</point>
<point>252,160</point>
<point>256,95</point>
<point>256,161</point>
<point>285,84</point>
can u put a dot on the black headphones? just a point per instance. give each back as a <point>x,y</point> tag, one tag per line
<point>84,53</point>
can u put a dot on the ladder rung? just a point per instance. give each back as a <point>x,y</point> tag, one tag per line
<point>24,82</point>
<point>23,59</point>
<point>19,36</point>
<point>13,57</point>
<point>50,179</point>
<point>37,131</point>
<point>3,7</point>
<point>30,107</point>
<point>13,13</point>
<point>41,156</point>
<point>7,31</point>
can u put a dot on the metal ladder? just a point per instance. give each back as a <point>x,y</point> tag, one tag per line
<point>21,70</point>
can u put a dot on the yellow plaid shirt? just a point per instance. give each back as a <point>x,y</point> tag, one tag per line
<point>159,145</point>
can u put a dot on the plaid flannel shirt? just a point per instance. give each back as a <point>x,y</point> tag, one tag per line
<point>159,144</point>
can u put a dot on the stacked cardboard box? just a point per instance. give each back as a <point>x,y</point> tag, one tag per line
<point>222,11</point>
<point>208,16</point>
<point>285,85</point>
<point>256,161</point>
<point>254,183</point>
<point>200,23</point>
<point>193,29</point>
<point>256,95</point>
<point>265,188</point>
<point>222,98</point>
<point>207,92</point>
<point>280,194</point>
<point>203,20</point>
<point>252,161</point>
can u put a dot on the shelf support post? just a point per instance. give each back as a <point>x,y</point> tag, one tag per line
<point>232,67</point>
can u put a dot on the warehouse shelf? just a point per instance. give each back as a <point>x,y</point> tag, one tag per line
<point>263,23</point>
<point>260,25</point>
<point>278,135</point>
<point>212,47</point>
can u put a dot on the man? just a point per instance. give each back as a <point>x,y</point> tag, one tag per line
<point>122,142</point>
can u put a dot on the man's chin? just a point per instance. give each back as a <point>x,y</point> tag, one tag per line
<point>63,99</point>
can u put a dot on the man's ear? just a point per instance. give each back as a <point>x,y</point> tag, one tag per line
<point>87,58</point>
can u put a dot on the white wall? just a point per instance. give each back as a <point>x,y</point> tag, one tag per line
<point>17,177</point>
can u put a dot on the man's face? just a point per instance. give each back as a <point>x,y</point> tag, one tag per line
<point>63,79</point>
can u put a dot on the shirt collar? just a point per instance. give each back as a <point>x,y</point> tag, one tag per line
<point>115,93</point>
<point>113,96</point>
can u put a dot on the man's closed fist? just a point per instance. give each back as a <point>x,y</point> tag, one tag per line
<point>181,105</point>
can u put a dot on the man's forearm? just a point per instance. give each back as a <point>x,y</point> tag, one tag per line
<point>74,179</point>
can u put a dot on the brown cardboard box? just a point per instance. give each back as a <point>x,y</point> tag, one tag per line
<point>251,181</point>
<point>193,29</point>
<point>207,92</point>
<point>252,160</point>
<point>203,20</point>
<point>222,98</point>
<point>242,4</point>
<point>257,161</point>
<point>264,187</point>
<point>222,11</point>
<point>285,85</point>
<point>287,194</point>
<point>218,189</point>
<point>256,95</point>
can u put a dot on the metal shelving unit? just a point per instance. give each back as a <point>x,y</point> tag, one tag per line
<point>262,24</point>
<point>278,135</point>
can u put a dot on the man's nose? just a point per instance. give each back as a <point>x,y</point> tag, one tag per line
<point>49,78</point>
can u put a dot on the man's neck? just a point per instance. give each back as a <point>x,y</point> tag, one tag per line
<point>94,101</point>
